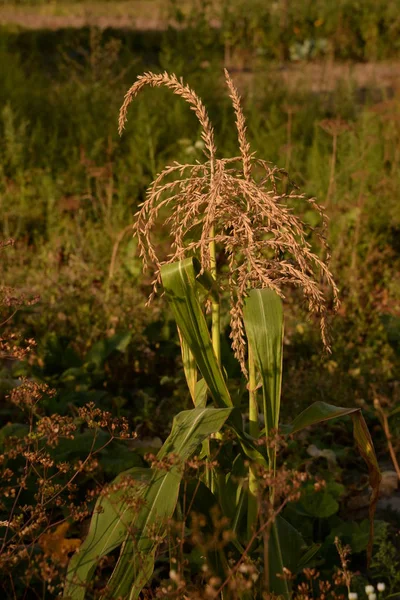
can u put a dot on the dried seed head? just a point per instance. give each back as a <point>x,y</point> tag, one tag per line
<point>172,82</point>
<point>334,126</point>
<point>237,204</point>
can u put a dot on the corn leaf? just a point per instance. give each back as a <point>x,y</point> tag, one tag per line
<point>287,549</point>
<point>143,570</point>
<point>200,396</point>
<point>189,367</point>
<point>126,571</point>
<point>131,573</point>
<point>181,285</point>
<point>197,388</point>
<point>320,412</point>
<point>284,551</point>
<point>263,320</point>
<point>111,519</point>
<point>118,513</point>
<point>121,579</point>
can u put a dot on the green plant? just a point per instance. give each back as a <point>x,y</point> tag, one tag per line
<point>385,562</point>
<point>241,213</point>
<point>49,463</point>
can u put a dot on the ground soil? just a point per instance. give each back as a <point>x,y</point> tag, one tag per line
<point>151,15</point>
<point>142,15</point>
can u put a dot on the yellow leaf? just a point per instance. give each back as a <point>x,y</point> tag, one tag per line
<point>55,545</point>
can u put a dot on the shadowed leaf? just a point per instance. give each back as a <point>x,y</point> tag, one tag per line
<point>320,412</point>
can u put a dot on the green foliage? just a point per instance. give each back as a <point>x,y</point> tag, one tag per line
<point>68,189</point>
<point>263,319</point>
<point>180,285</point>
<point>114,518</point>
<point>291,30</point>
<point>386,563</point>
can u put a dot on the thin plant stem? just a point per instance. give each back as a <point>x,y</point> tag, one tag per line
<point>116,245</point>
<point>250,543</point>
<point>215,331</point>
<point>289,138</point>
<point>266,550</point>
<point>333,169</point>
<point>252,506</point>
<point>216,310</point>
<point>386,429</point>
<point>356,244</point>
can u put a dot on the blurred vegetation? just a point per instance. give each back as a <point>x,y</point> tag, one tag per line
<point>69,188</point>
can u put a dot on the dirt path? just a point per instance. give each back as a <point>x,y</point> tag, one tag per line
<point>141,15</point>
<point>326,76</point>
<point>151,15</point>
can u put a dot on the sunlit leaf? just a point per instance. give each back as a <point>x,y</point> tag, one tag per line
<point>263,319</point>
<point>143,508</point>
<point>183,283</point>
<point>189,367</point>
<point>180,284</point>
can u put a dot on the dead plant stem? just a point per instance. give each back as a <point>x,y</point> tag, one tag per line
<point>386,429</point>
<point>256,533</point>
<point>333,169</point>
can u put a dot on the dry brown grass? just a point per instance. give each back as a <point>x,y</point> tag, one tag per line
<point>240,204</point>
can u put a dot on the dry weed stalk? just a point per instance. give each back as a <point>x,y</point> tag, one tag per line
<point>34,536</point>
<point>333,127</point>
<point>236,204</point>
<point>383,415</point>
<point>344,574</point>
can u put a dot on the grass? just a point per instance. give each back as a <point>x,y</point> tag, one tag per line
<point>70,186</point>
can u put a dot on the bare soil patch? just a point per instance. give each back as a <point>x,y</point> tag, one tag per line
<point>152,15</point>
<point>141,15</point>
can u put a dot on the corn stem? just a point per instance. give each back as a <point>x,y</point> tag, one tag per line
<point>252,508</point>
<point>215,337</point>
<point>215,310</point>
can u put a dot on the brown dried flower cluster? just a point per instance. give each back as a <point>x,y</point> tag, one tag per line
<point>241,575</point>
<point>10,302</point>
<point>239,208</point>
<point>42,489</point>
<point>41,494</point>
<point>11,349</point>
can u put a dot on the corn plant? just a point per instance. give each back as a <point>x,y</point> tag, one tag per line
<point>233,209</point>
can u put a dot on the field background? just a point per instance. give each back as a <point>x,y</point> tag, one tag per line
<point>321,89</point>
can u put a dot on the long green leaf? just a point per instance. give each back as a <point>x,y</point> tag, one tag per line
<point>181,282</point>
<point>120,582</point>
<point>189,367</point>
<point>118,513</point>
<point>197,498</point>
<point>287,549</point>
<point>197,389</point>
<point>108,529</point>
<point>200,394</point>
<point>320,412</point>
<point>263,320</point>
<point>131,573</point>
<point>143,570</point>
<point>190,428</point>
<point>284,551</point>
